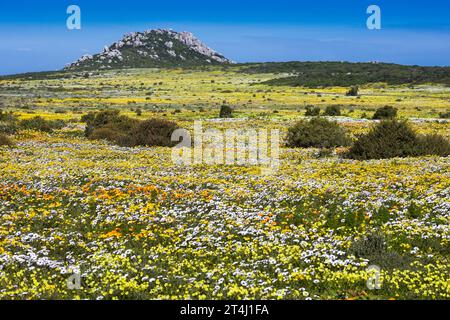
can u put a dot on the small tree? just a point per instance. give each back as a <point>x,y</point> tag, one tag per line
<point>226,112</point>
<point>353,92</point>
<point>386,112</point>
<point>388,139</point>
<point>312,111</point>
<point>332,111</point>
<point>318,133</point>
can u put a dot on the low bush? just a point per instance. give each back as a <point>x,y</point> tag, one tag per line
<point>353,91</point>
<point>445,115</point>
<point>312,111</point>
<point>226,112</point>
<point>392,138</point>
<point>127,132</point>
<point>152,132</point>
<point>108,134</point>
<point>8,117</point>
<point>110,119</point>
<point>5,141</point>
<point>432,144</point>
<point>374,248</point>
<point>40,124</point>
<point>332,111</point>
<point>318,133</point>
<point>386,112</point>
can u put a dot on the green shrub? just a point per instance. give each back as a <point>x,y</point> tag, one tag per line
<point>386,112</point>
<point>152,132</point>
<point>5,141</point>
<point>312,111</point>
<point>388,139</point>
<point>8,117</point>
<point>432,144</point>
<point>392,138</point>
<point>226,112</point>
<point>111,119</point>
<point>318,132</point>
<point>353,92</point>
<point>8,127</point>
<point>445,115</point>
<point>108,134</point>
<point>374,248</point>
<point>127,132</point>
<point>40,124</point>
<point>332,111</point>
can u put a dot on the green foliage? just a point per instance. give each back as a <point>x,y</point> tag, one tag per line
<point>318,132</point>
<point>345,74</point>
<point>392,138</point>
<point>40,124</point>
<point>8,123</point>
<point>387,112</point>
<point>7,116</point>
<point>333,111</point>
<point>152,132</point>
<point>432,144</point>
<point>445,115</point>
<point>108,134</point>
<point>226,112</point>
<point>353,92</point>
<point>374,248</point>
<point>127,132</point>
<point>5,141</point>
<point>312,111</point>
<point>110,119</point>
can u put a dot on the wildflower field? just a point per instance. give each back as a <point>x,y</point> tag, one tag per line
<point>135,225</point>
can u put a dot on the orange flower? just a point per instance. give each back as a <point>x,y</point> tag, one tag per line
<point>114,233</point>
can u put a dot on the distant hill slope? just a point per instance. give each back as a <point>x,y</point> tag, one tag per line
<point>152,48</point>
<point>314,74</point>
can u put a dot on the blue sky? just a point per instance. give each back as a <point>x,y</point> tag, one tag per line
<point>34,37</point>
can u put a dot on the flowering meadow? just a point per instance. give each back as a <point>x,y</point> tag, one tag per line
<point>134,225</point>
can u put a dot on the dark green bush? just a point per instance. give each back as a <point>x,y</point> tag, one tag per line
<point>318,132</point>
<point>108,134</point>
<point>312,111</point>
<point>152,132</point>
<point>40,124</point>
<point>127,132</point>
<point>7,117</point>
<point>392,138</point>
<point>9,127</point>
<point>111,119</point>
<point>226,112</point>
<point>388,139</point>
<point>432,144</point>
<point>5,141</point>
<point>445,115</point>
<point>332,111</point>
<point>386,112</point>
<point>353,92</point>
<point>374,248</point>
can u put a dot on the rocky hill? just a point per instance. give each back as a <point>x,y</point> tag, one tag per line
<point>152,48</point>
